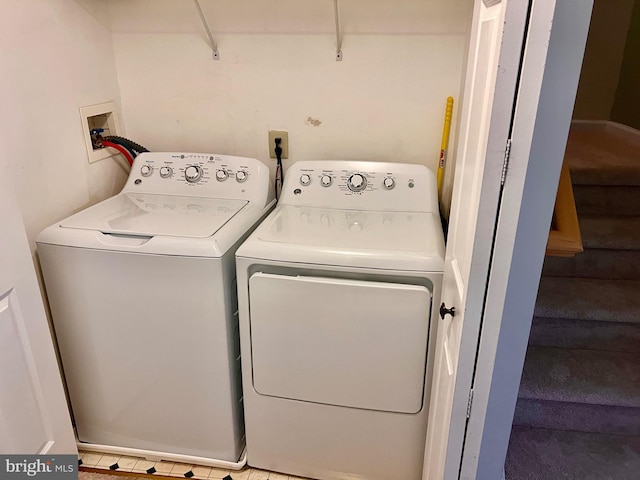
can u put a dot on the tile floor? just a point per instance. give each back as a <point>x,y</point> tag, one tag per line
<point>108,463</point>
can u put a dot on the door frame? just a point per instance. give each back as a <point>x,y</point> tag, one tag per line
<point>499,129</point>
<point>542,123</point>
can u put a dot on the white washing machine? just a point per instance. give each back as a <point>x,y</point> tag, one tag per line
<point>337,293</point>
<point>143,297</point>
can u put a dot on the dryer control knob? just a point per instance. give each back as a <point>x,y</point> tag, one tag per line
<point>146,170</point>
<point>192,173</point>
<point>241,176</point>
<point>388,183</point>
<point>222,175</point>
<point>165,172</point>
<point>305,179</point>
<point>326,180</point>
<point>357,182</point>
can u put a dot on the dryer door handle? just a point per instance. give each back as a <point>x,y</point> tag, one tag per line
<point>444,311</point>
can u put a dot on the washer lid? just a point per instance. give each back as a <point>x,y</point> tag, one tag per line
<point>151,215</point>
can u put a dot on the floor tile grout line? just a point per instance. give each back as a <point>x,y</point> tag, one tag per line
<point>247,473</point>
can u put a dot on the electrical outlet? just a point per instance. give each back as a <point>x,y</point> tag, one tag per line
<point>273,134</point>
<point>103,116</point>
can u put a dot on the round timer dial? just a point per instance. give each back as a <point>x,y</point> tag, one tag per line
<point>193,173</point>
<point>357,182</point>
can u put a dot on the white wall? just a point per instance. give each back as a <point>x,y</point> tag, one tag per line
<point>277,70</point>
<point>54,58</point>
<point>384,101</point>
<point>603,58</point>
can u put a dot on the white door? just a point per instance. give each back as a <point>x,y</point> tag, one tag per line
<point>550,72</point>
<point>505,85</point>
<point>493,67</point>
<point>34,418</point>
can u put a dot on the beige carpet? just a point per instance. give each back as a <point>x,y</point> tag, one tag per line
<point>578,411</point>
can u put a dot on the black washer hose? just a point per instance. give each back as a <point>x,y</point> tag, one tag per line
<point>130,144</point>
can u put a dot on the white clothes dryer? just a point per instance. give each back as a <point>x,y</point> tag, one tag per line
<point>338,290</point>
<point>143,298</point>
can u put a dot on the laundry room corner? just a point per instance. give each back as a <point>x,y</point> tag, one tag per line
<point>61,59</point>
<point>324,265</point>
<point>277,70</point>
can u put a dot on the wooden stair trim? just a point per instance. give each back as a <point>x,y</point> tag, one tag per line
<point>565,239</point>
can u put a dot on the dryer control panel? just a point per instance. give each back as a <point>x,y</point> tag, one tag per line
<point>199,175</point>
<point>360,185</point>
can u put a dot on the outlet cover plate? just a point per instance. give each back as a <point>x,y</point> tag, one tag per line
<point>104,115</point>
<point>273,134</point>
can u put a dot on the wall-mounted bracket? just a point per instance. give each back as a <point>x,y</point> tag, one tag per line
<point>214,46</point>
<point>338,33</point>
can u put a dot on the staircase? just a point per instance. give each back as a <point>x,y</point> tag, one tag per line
<point>578,410</point>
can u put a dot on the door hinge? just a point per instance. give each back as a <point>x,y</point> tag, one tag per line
<point>505,164</point>
<point>469,403</point>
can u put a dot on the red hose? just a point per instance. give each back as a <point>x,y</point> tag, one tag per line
<point>121,149</point>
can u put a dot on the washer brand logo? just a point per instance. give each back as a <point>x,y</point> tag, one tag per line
<point>59,467</point>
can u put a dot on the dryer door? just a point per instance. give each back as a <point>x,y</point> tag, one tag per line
<point>349,343</point>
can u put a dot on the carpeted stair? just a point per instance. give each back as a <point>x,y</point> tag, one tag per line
<point>578,410</point>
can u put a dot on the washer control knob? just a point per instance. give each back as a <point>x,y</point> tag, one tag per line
<point>222,175</point>
<point>357,182</point>
<point>146,170</point>
<point>305,179</point>
<point>193,173</point>
<point>388,183</point>
<point>241,176</point>
<point>165,172</point>
<point>326,180</point>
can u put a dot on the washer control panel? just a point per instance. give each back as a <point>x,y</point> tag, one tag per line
<point>199,174</point>
<point>365,185</point>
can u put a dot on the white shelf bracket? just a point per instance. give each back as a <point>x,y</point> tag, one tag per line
<point>214,46</point>
<point>338,33</point>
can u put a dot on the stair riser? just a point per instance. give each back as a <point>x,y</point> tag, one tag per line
<point>607,200</point>
<point>584,334</point>
<point>545,454</point>
<point>593,263</point>
<point>589,299</point>
<point>577,417</point>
